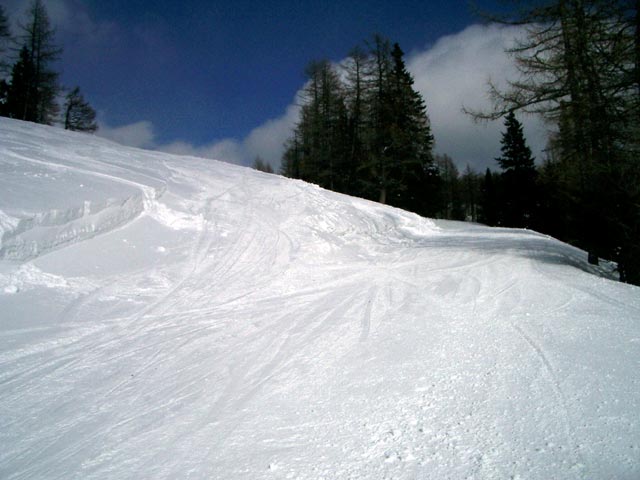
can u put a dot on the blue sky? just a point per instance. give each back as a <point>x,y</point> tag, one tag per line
<point>222,68</point>
<point>202,77</point>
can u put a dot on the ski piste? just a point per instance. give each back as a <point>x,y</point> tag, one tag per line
<point>175,317</point>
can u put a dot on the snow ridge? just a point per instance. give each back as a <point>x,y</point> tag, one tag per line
<point>27,238</point>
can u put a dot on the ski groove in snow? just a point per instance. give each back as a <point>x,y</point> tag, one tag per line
<point>248,326</point>
<point>366,319</point>
<point>565,415</point>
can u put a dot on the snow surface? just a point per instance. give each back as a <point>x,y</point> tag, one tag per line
<point>173,317</point>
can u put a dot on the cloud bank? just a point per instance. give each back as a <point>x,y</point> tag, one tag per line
<point>455,72</point>
<point>266,141</point>
<point>450,74</point>
<point>139,134</point>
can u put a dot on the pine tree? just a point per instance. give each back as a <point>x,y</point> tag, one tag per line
<point>404,141</point>
<point>291,165</point>
<point>78,114</point>
<point>471,197</point>
<point>368,135</point>
<point>374,175</point>
<point>518,176</point>
<point>516,155</point>
<point>21,98</point>
<point>449,192</point>
<point>318,151</point>
<point>261,165</point>
<point>357,77</point>
<point>39,81</point>
<point>580,69</point>
<point>491,214</point>
<point>552,214</point>
<point>5,39</point>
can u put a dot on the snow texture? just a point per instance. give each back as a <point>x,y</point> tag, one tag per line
<point>173,317</point>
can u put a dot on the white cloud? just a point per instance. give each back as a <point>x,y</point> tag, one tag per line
<point>139,134</point>
<point>450,74</point>
<point>454,73</point>
<point>268,140</point>
<point>228,150</point>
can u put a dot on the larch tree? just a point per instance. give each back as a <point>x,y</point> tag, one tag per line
<point>261,165</point>
<point>399,164</point>
<point>366,133</point>
<point>78,114</point>
<point>40,81</point>
<point>21,100</point>
<point>356,84</point>
<point>375,177</point>
<point>450,201</point>
<point>318,150</point>
<point>579,66</point>
<point>5,40</point>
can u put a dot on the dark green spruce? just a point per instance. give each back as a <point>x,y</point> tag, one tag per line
<point>519,195</point>
<point>366,133</point>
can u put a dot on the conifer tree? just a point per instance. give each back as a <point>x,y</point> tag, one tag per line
<point>357,77</point>
<point>518,176</point>
<point>366,135</point>
<point>401,161</point>
<point>5,39</point>
<point>491,214</point>
<point>449,192</point>
<point>21,98</point>
<point>516,155</point>
<point>580,69</point>
<point>411,141</point>
<point>471,193</point>
<point>291,165</point>
<point>375,177</point>
<point>78,114</point>
<point>39,83</point>
<point>261,165</point>
<point>318,151</point>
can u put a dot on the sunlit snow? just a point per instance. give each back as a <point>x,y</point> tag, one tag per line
<point>172,317</point>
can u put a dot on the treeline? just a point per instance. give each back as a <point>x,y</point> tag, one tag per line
<point>364,131</point>
<point>29,88</point>
<point>514,196</point>
<point>580,70</point>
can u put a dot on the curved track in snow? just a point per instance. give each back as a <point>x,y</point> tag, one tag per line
<point>243,325</point>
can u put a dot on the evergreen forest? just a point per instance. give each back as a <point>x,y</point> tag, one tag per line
<point>30,89</point>
<point>364,130</point>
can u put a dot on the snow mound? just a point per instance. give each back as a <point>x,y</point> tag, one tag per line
<point>175,317</point>
<point>29,237</point>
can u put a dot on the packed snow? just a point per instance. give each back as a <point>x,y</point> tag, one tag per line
<point>174,317</point>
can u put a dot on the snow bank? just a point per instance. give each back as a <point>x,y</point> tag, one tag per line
<point>27,238</point>
<point>54,193</point>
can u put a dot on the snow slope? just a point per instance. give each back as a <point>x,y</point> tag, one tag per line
<point>172,317</point>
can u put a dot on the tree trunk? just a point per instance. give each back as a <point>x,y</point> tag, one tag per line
<point>383,196</point>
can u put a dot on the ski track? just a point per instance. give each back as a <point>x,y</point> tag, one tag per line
<point>554,382</point>
<point>303,334</point>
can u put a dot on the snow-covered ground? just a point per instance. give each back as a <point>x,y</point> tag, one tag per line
<point>172,317</point>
